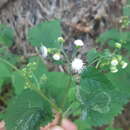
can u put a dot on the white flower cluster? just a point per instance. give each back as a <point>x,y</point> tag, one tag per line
<point>117,61</point>
<point>77,64</point>
<point>44,53</point>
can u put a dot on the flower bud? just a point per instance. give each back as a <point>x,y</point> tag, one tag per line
<point>113,69</point>
<point>56,56</point>
<point>49,50</point>
<point>114,62</point>
<point>61,39</point>
<point>104,63</point>
<point>123,64</point>
<point>43,51</point>
<point>118,45</point>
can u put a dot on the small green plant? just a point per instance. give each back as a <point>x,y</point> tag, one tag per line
<point>89,92</point>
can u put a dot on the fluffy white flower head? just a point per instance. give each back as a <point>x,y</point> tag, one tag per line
<point>124,64</point>
<point>56,56</point>
<point>78,43</point>
<point>114,62</point>
<point>77,65</point>
<point>43,51</point>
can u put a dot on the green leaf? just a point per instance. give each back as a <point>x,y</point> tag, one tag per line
<point>18,82</point>
<point>26,111</point>
<point>6,35</point>
<point>29,119</point>
<point>82,125</point>
<point>57,87</point>
<point>1,83</point>
<point>113,129</point>
<point>1,116</point>
<point>5,74</point>
<point>101,100</point>
<point>113,35</point>
<point>12,58</point>
<point>126,10</point>
<point>46,34</point>
<point>92,55</point>
<point>39,72</point>
<point>4,71</point>
<point>121,81</point>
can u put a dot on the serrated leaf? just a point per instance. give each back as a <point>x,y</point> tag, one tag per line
<point>29,120</point>
<point>121,81</point>
<point>26,111</point>
<point>6,35</point>
<point>46,34</point>
<point>57,85</point>
<point>101,100</point>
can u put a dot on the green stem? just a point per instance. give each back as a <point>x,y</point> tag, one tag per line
<point>93,62</point>
<point>11,65</point>
<point>68,61</point>
<point>66,92</point>
<point>32,86</point>
<point>47,99</point>
<point>36,80</point>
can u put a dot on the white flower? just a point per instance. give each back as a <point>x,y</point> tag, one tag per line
<point>56,56</point>
<point>77,65</point>
<point>124,64</point>
<point>114,62</point>
<point>43,51</point>
<point>78,43</point>
<point>113,69</point>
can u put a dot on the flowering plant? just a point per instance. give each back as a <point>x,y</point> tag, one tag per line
<point>85,89</point>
